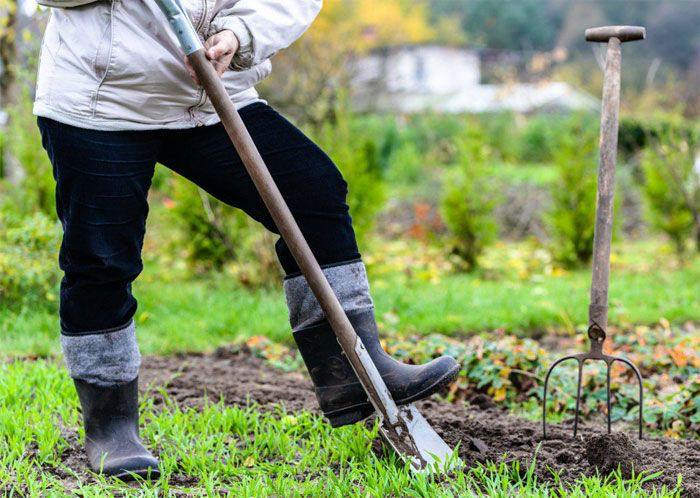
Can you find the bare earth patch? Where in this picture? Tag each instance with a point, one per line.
(484, 433)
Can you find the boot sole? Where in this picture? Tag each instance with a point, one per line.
(357, 413)
(133, 475)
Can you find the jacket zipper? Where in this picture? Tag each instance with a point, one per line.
(203, 20)
(201, 96)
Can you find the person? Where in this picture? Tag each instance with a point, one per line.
(114, 98)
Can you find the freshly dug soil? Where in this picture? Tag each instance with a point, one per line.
(484, 432)
(607, 452)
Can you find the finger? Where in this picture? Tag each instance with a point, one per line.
(220, 67)
(218, 50)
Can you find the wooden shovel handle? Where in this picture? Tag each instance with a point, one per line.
(290, 232)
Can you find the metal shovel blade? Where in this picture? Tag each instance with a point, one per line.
(417, 442)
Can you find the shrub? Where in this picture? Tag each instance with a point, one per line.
(357, 155)
(216, 237)
(29, 271)
(498, 131)
(536, 140)
(468, 200)
(636, 135)
(672, 188)
(36, 189)
(406, 166)
(572, 217)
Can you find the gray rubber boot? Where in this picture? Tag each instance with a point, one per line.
(111, 421)
(338, 390)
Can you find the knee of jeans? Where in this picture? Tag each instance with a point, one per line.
(103, 231)
(100, 262)
(333, 190)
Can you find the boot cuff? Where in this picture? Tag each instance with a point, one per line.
(103, 359)
(349, 282)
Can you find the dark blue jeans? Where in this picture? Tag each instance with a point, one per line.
(102, 182)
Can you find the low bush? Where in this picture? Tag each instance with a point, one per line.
(510, 370)
(571, 220)
(499, 132)
(216, 237)
(406, 166)
(357, 155)
(635, 134)
(29, 272)
(536, 141)
(468, 200)
(36, 187)
(672, 188)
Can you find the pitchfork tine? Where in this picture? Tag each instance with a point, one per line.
(607, 390)
(578, 393)
(638, 374)
(544, 395)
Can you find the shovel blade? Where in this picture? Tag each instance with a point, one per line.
(417, 442)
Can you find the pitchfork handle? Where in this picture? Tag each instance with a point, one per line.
(614, 36)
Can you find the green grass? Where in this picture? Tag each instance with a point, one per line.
(465, 303)
(178, 313)
(235, 451)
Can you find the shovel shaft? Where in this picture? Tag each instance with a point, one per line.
(289, 230)
(598, 310)
(404, 428)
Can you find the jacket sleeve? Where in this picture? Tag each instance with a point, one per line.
(264, 27)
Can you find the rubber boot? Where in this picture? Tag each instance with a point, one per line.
(338, 390)
(111, 420)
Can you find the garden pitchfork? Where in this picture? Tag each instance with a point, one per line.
(403, 427)
(598, 309)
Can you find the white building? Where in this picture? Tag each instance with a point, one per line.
(416, 78)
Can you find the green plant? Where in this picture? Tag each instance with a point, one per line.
(672, 188)
(537, 140)
(35, 189)
(468, 200)
(498, 131)
(572, 216)
(357, 155)
(406, 165)
(218, 237)
(636, 134)
(28, 252)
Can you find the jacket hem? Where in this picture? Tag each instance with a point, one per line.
(102, 124)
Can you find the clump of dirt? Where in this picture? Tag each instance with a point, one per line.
(483, 431)
(608, 452)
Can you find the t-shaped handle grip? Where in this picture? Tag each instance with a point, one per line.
(622, 33)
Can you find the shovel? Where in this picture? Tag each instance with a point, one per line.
(403, 427)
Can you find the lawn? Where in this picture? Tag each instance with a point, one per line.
(224, 448)
(219, 449)
(527, 295)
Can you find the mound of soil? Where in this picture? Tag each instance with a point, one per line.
(607, 452)
(483, 431)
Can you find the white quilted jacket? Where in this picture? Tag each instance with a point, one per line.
(115, 65)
